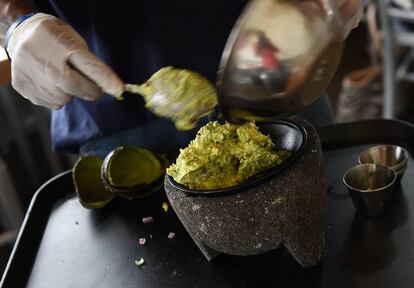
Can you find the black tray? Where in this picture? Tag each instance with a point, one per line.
(61, 244)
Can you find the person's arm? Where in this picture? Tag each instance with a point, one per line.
(10, 11)
(50, 62)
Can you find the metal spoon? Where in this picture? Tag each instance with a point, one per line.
(182, 95)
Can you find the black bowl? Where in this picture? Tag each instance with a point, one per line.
(286, 136)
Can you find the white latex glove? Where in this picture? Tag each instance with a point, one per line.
(51, 62)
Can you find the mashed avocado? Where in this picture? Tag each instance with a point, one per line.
(182, 95)
(225, 155)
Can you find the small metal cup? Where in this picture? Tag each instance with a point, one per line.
(371, 188)
(392, 156)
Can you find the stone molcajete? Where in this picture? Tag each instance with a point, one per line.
(284, 207)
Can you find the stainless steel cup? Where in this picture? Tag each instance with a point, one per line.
(392, 156)
(371, 188)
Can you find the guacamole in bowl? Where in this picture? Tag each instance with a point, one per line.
(226, 156)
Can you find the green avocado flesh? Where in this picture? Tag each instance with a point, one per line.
(132, 166)
(88, 182)
(225, 155)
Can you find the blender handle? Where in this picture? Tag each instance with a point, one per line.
(331, 10)
(327, 6)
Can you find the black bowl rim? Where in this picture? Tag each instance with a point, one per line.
(254, 181)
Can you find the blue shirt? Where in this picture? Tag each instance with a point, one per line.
(136, 38)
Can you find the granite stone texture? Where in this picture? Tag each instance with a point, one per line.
(286, 210)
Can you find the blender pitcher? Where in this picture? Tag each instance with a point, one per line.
(278, 59)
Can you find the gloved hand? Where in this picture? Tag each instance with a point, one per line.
(51, 62)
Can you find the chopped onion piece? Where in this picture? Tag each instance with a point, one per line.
(140, 262)
(147, 220)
